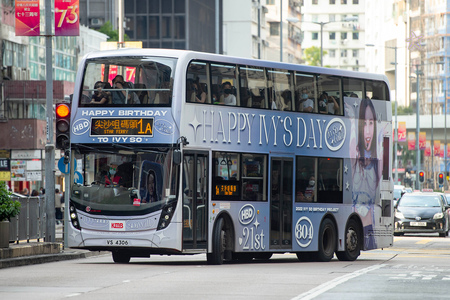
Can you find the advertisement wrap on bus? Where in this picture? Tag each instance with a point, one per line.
(232, 157)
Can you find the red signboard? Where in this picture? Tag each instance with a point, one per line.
(437, 148)
(27, 18)
(422, 139)
(427, 151)
(402, 131)
(67, 21)
(411, 140)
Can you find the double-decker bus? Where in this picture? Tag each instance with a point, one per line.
(181, 152)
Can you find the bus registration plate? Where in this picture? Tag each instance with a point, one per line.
(117, 243)
(418, 223)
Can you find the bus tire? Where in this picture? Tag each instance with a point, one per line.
(120, 257)
(219, 239)
(352, 242)
(327, 241)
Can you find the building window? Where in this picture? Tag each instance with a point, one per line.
(343, 53)
(343, 1)
(315, 2)
(343, 36)
(332, 1)
(270, 2)
(274, 28)
(355, 1)
(315, 36)
(356, 35)
(332, 18)
(332, 53)
(355, 52)
(332, 35)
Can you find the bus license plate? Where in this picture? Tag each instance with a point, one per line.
(418, 223)
(117, 243)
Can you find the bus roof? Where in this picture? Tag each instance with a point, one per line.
(190, 55)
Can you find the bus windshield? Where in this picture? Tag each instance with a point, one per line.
(130, 81)
(118, 182)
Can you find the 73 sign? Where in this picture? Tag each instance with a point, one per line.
(67, 21)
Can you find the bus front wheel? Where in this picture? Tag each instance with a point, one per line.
(219, 240)
(120, 257)
(352, 242)
(327, 240)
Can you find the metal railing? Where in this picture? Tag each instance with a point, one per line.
(30, 223)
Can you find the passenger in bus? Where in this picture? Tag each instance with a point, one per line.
(333, 106)
(286, 99)
(112, 177)
(310, 190)
(200, 95)
(118, 97)
(323, 103)
(100, 96)
(227, 98)
(307, 103)
(150, 191)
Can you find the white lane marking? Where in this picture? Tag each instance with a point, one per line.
(333, 283)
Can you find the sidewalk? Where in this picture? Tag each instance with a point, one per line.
(40, 252)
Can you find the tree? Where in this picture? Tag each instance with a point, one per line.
(113, 35)
(9, 208)
(312, 55)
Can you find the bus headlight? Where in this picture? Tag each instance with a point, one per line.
(166, 214)
(73, 216)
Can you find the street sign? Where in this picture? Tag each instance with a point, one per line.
(62, 166)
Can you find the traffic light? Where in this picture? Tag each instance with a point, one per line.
(421, 177)
(441, 178)
(62, 126)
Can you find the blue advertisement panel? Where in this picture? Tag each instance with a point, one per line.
(124, 125)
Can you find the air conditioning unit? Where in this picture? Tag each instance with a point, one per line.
(96, 22)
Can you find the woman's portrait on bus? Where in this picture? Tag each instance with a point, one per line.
(366, 161)
(150, 191)
(150, 182)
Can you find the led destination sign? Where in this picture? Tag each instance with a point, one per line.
(122, 126)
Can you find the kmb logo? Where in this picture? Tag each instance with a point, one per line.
(117, 226)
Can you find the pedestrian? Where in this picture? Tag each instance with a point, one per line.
(58, 205)
(25, 192)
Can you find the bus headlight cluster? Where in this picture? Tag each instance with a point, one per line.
(166, 215)
(73, 216)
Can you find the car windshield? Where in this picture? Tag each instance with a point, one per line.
(397, 193)
(419, 201)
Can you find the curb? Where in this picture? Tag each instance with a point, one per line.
(46, 258)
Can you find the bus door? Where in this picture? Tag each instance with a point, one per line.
(195, 196)
(281, 198)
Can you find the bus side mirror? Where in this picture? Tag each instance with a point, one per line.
(177, 157)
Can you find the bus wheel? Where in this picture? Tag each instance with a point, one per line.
(352, 243)
(327, 240)
(218, 244)
(120, 257)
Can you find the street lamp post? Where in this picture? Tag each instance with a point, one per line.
(418, 73)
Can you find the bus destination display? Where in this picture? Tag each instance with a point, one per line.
(229, 189)
(122, 126)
